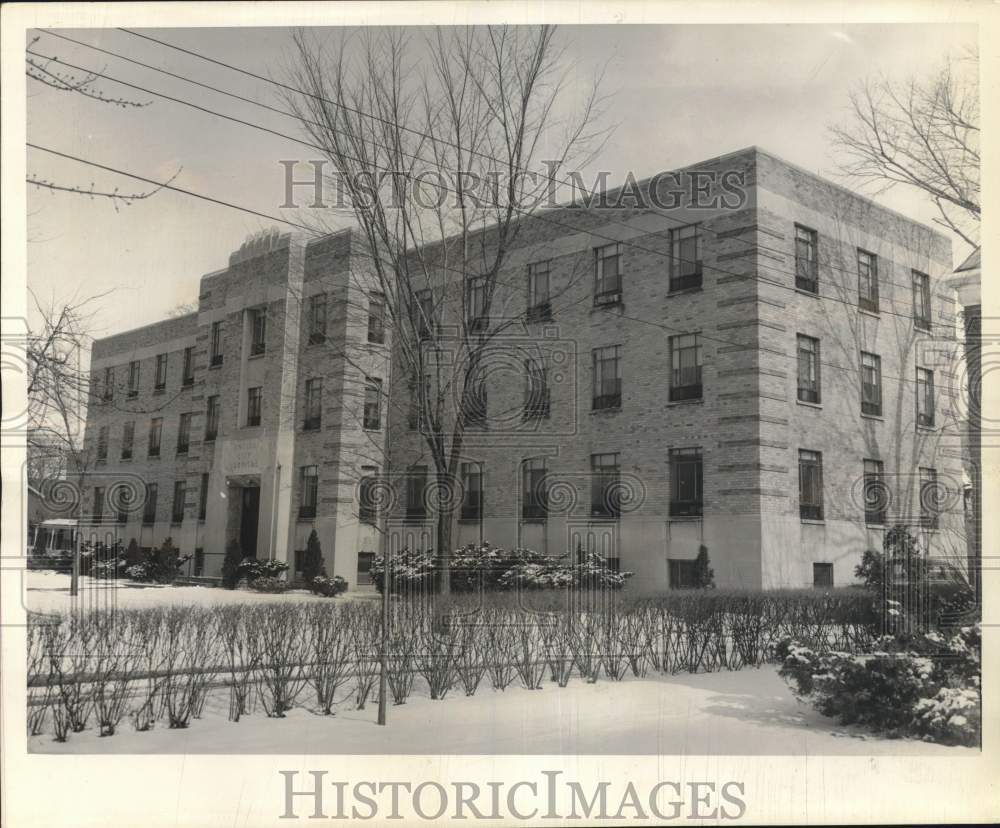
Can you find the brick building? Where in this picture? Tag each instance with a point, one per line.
(757, 361)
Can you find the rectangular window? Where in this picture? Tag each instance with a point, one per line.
(607, 377)
(254, 399)
(373, 404)
(309, 477)
(368, 495)
(686, 482)
(160, 380)
(806, 260)
(808, 369)
(685, 257)
(199, 561)
(685, 360)
(608, 274)
(929, 498)
(539, 304)
(317, 319)
(472, 491)
(109, 384)
(475, 304)
(184, 434)
(133, 378)
(536, 389)
(98, 504)
(212, 418)
(187, 379)
(416, 485)
(376, 318)
(258, 330)
(216, 346)
(102, 443)
(155, 431)
(875, 492)
(604, 485)
(867, 281)
(925, 397)
(203, 497)
(921, 300)
(149, 507)
(871, 384)
(128, 439)
(426, 319)
(810, 485)
(313, 404)
(535, 495)
(683, 573)
(180, 495)
(822, 575)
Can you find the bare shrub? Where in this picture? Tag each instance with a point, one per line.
(282, 651)
(239, 655)
(329, 646)
(366, 626)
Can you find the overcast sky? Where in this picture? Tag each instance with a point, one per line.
(679, 94)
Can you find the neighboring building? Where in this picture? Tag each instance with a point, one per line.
(735, 374)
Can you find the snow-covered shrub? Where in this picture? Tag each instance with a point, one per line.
(267, 583)
(952, 717)
(161, 566)
(328, 586)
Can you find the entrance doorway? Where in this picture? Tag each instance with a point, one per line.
(249, 518)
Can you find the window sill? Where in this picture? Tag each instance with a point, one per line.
(871, 313)
(808, 293)
(809, 404)
(132, 395)
(609, 410)
(924, 329)
(257, 356)
(159, 390)
(694, 401)
(876, 526)
(679, 291)
(373, 430)
(126, 459)
(878, 417)
(537, 521)
(925, 429)
(812, 522)
(602, 306)
(187, 385)
(685, 518)
(214, 366)
(152, 456)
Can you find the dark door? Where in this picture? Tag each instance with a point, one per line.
(364, 568)
(249, 516)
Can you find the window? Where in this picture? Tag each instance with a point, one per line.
(810, 485)
(133, 378)
(608, 274)
(254, 398)
(418, 391)
(930, 496)
(309, 476)
(187, 379)
(376, 318)
(871, 384)
(124, 501)
(475, 304)
(313, 404)
(806, 260)
(604, 485)
(180, 493)
(416, 485)
(258, 330)
(160, 380)
(921, 300)
(472, 491)
(475, 403)
(128, 439)
(536, 390)
(216, 346)
(925, 397)
(212, 418)
(808, 369)
(607, 378)
(685, 360)
(155, 431)
(686, 482)
(109, 385)
(373, 404)
(822, 575)
(316, 317)
(102, 443)
(184, 433)
(685, 257)
(867, 281)
(683, 573)
(535, 496)
(98, 504)
(199, 561)
(149, 507)
(539, 304)
(426, 321)
(876, 493)
(203, 497)
(368, 495)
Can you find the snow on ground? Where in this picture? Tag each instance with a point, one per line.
(45, 591)
(749, 712)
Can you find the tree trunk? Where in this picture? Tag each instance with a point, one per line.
(445, 522)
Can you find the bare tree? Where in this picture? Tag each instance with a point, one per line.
(434, 164)
(923, 134)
